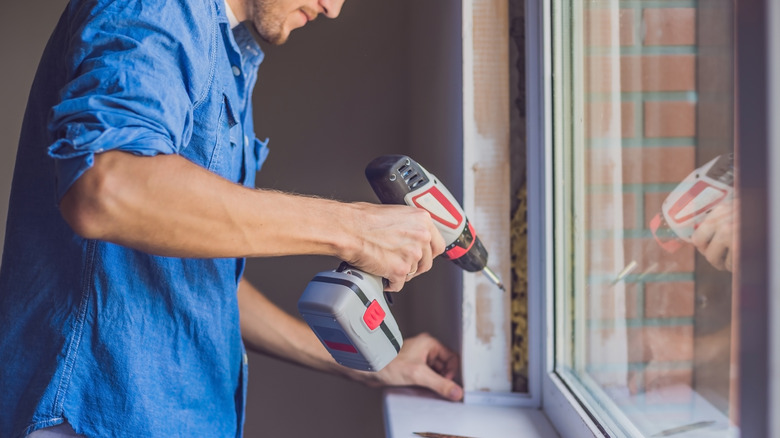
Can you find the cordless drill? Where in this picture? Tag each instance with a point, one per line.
(346, 307)
(397, 179)
(691, 201)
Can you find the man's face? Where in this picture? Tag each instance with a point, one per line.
(275, 19)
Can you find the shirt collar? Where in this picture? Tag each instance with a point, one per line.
(239, 37)
(248, 46)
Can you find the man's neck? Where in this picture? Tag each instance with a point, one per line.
(231, 15)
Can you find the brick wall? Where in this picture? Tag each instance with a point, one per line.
(639, 96)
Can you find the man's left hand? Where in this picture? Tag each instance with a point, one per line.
(423, 361)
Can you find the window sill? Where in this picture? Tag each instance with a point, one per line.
(409, 410)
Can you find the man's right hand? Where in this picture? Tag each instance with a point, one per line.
(397, 242)
(714, 238)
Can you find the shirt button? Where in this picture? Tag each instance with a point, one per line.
(246, 141)
(236, 71)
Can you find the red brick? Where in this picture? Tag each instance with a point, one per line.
(642, 165)
(645, 344)
(598, 27)
(653, 202)
(600, 118)
(603, 213)
(609, 345)
(603, 165)
(658, 73)
(603, 302)
(651, 258)
(669, 299)
(599, 75)
(662, 165)
(670, 119)
(641, 73)
(669, 26)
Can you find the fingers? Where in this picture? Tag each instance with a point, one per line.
(444, 361)
(397, 242)
(714, 237)
(434, 248)
(425, 362)
(407, 267)
(703, 235)
(437, 241)
(423, 265)
(728, 263)
(439, 368)
(417, 257)
(718, 250)
(433, 245)
(439, 384)
(394, 285)
(443, 365)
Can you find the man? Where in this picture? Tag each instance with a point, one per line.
(131, 212)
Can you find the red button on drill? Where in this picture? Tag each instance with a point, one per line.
(374, 315)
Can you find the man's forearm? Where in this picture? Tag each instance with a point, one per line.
(269, 330)
(169, 206)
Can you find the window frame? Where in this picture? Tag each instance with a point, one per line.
(758, 63)
(560, 405)
(758, 102)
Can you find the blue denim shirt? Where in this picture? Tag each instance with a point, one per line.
(117, 341)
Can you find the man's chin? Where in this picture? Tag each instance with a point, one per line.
(275, 38)
(280, 40)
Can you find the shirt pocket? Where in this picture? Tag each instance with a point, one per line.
(255, 158)
(227, 154)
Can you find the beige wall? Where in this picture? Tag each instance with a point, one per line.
(24, 29)
(383, 78)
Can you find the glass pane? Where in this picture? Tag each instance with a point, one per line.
(645, 171)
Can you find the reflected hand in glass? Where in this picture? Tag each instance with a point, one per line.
(715, 237)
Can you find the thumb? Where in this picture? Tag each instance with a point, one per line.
(440, 385)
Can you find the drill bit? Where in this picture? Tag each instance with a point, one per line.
(627, 270)
(493, 277)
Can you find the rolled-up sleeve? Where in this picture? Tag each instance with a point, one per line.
(132, 88)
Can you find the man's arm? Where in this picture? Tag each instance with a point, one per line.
(266, 329)
(166, 205)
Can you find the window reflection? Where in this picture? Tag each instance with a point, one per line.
(649, 158)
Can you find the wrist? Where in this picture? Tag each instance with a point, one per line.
(368, 378)
(345, 241)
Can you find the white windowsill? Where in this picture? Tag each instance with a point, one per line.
(409, 410)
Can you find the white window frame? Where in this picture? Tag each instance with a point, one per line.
(759, 330)
(558, 402)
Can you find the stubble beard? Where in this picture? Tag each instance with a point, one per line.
(269, 24)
